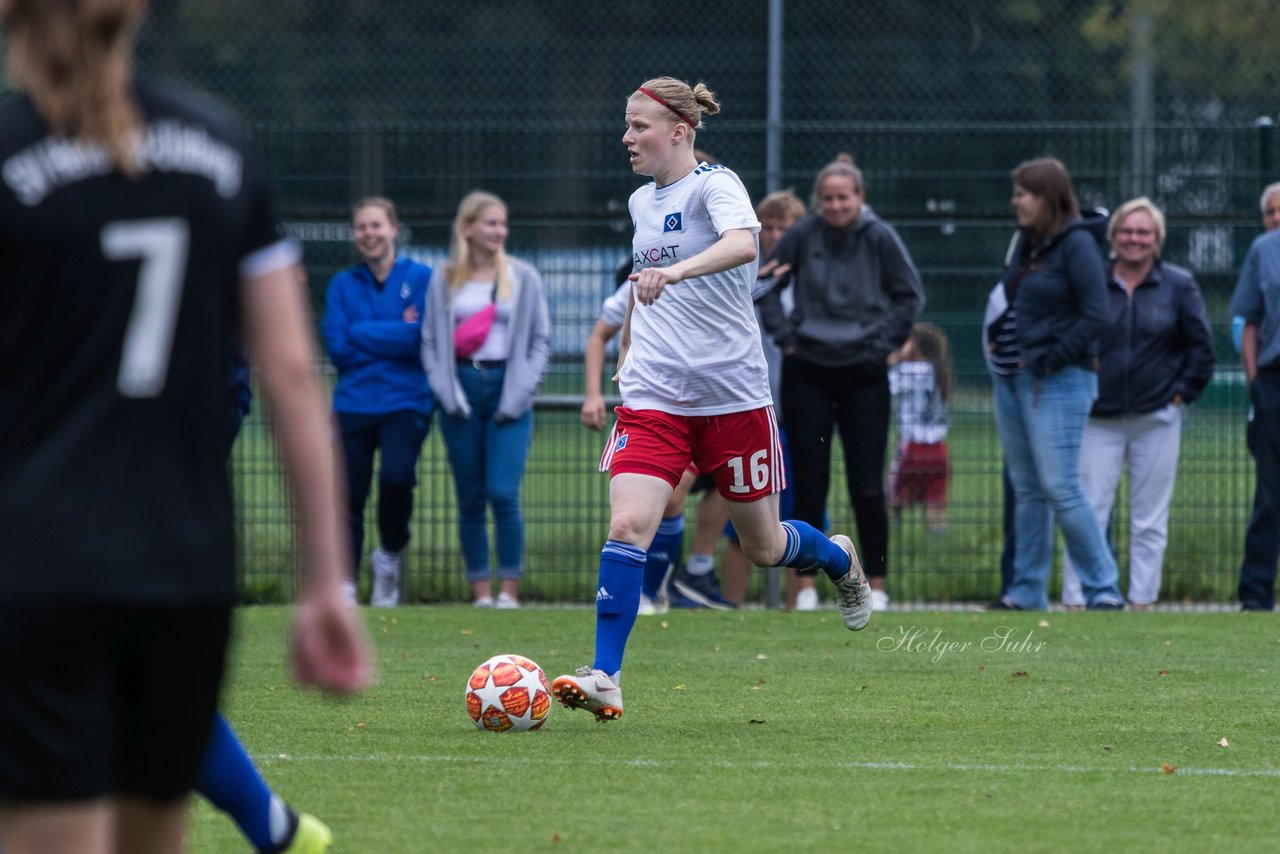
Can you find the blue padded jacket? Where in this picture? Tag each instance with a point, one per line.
(372, 345)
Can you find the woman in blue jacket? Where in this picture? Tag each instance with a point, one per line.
(373, 312)
(1042, 339)
(485, 345)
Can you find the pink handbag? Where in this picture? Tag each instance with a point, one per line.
(472, 332)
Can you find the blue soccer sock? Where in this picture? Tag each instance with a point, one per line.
(231, 782)
(617, 601)
(808, 548)
(663, 552)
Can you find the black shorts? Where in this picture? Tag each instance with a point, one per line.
(702, 483)
(108, 700)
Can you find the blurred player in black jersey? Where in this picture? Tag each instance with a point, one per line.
(135, 237)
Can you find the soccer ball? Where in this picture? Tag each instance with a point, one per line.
(508, 693)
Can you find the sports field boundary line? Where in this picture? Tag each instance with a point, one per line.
(748, 765)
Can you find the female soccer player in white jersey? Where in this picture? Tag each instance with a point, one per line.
(694, 383)
(135, 231)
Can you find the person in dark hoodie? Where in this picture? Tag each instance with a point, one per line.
(1041, 331)
(1155, 357)
(857, 293)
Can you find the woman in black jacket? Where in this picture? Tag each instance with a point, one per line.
(1155, 356)
(1042, 333)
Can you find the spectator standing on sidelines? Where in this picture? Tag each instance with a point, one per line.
(120, 286)
(485, 345)
(694, 384)
(1269, 203)
(1041, 330)
(857, 293)
(1255, 295)
(372, 322)
(1155, 356)
(777, 212)
(920, 378)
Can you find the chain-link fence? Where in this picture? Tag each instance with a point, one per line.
(936, 99)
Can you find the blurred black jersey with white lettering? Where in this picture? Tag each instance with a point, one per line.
(118, 298)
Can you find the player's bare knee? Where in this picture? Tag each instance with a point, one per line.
(627, 528)
(764, 553)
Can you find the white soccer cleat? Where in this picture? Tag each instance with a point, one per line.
(386, 579)
(591, 690)
(853, 593)
(506, 602)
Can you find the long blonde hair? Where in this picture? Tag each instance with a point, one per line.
(74, 58)
(461, 266)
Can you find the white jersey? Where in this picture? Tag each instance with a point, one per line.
(613, 311)
(696, 350)
(922, 414)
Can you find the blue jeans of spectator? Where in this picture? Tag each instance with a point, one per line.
(1262, 537)
(1040, 422)
(488, 458)
(399, 435)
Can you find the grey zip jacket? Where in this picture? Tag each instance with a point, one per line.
(528, 345)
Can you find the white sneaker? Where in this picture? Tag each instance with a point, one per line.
(652, 607)
(853, 593)
(484, 602)
(879, 600)
(386, 579)
(506, 602)
(807, 599)
(591, 690)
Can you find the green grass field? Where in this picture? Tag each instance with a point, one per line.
(764, 731)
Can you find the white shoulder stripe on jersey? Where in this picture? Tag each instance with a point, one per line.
(270, 258)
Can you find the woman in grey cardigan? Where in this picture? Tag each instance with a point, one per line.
(486, 337)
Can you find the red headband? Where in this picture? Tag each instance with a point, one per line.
(664, 102)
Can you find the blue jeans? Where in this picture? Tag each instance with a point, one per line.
(488, 457)
(1040, 422)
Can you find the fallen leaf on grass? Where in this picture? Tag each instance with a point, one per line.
(1044, 624)
(1018, 673)
(1168, 768)
(1222, 742)
(1162, 673)
(982, 668)
(761, 682)
(760, 656)
(466, 633)
(755, 721)
(680, 687)
(1107, 748)
(433, 678)
(665, 624)
(555, 837)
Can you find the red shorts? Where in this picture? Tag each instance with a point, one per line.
(920, 475)
(739, 449)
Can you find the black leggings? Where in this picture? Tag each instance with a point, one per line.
(855, 399)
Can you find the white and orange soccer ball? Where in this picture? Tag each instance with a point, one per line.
(508, 693)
